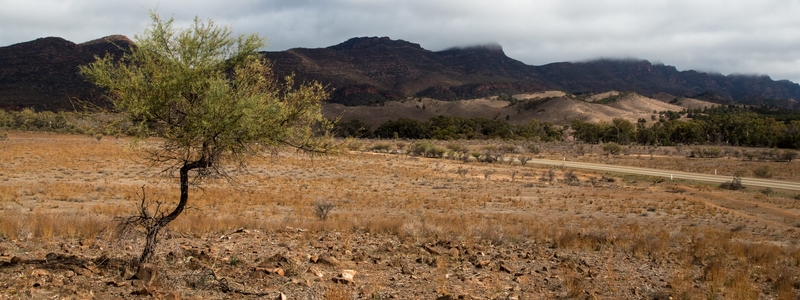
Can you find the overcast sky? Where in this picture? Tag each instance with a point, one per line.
(725, 36)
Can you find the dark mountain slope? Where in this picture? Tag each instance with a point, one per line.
(44, 73)
(369, 70)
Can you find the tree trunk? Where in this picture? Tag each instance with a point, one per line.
(152, 231)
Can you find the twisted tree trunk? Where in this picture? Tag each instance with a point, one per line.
(152, 231)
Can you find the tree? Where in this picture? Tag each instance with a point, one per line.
(211, 99)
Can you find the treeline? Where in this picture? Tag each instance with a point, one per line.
(64, 122)
(733, 125)
(453, 128)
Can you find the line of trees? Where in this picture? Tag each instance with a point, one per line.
(64, 122)
(734, 126)
(453, 128)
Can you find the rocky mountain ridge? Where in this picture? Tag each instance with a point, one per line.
(370, 70)
(383, 69)
(43, 73)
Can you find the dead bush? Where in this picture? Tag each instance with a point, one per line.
(734, 185)
(762, 172)
(322, 208)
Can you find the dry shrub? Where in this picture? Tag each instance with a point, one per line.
(322, 208)
(574, 284)
(740, 287)
(48, 226)
(762, 172)
(784, 281)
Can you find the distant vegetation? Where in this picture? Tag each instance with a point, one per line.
(768, 127)
(724, 125)
(452, 128)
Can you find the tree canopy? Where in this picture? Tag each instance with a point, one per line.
(210, 97)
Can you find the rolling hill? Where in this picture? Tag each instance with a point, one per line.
(375, 71)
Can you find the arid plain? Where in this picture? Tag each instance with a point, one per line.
(410, 227)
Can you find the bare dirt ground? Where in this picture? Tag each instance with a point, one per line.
(409, 227)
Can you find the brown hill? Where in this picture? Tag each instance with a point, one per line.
(44, 73)
(550, 106)
(367, 71)
(372, 70)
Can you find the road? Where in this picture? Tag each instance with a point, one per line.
(747, 182)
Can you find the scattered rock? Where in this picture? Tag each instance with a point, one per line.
(431, 250)
(147, 273)
(173, 296)
(407, 270)
(141, 292)
(51, 256)
(328, 260)
(506, 268)
(316, 271)
(118, 284)
(346, 277)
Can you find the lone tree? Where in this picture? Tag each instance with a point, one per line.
(212, 101)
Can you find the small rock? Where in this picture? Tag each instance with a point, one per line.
(328, 260)
(407, 270)
(118, 284)
(282, 296)
(173, 296)
(523, 279)
(482, 263)
(40, 273)
(445, 297)
(316, 271)
(51, 256)
(345, 277)
(15, 260)
(506, 268)
(141, 292)
(147, 273)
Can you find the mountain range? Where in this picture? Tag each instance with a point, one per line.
(372, 70)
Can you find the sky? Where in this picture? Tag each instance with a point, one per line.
(756, 37)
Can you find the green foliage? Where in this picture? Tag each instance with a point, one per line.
(613, 98)
(353, 128)
(426, 149)
(452, 128)
(737, 126)
(211, 99)
(706, 152)
(208, 94)
(612, 148)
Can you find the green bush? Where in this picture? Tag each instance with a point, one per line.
(612, 148)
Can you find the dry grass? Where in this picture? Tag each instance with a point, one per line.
(734, 245)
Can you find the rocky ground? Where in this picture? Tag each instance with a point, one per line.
(305, 265)
(402, 228)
